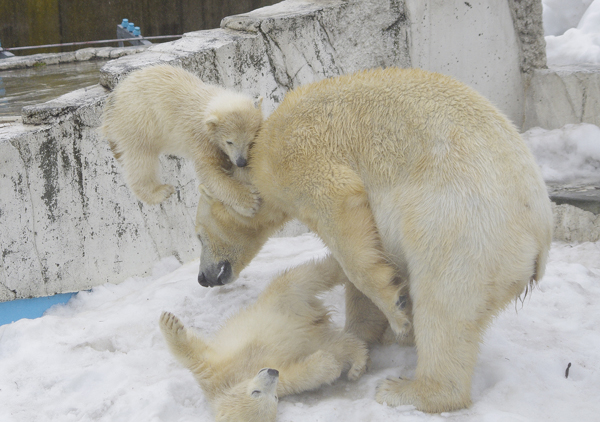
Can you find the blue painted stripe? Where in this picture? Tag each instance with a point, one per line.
(15, 310)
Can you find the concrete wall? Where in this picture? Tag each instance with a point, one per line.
(68, 220)
(473, 41)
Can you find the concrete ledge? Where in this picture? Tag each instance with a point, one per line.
(572, 224)
(252, 21)
(559, 96)
(62, 106)
(585, 197)
(91, 53)
(576, 212)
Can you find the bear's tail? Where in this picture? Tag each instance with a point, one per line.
(539, 269)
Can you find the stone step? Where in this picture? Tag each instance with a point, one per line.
(576, 209)
(585, 197)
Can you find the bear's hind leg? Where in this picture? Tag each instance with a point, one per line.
(447, 337)
(141, 175)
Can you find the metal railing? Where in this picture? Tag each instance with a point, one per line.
(126, 32)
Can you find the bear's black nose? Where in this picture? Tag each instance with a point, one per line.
(273, 372)
(215, 275)
(241, 162)
(202, 280)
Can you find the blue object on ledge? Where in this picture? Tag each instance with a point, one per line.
(17, 309)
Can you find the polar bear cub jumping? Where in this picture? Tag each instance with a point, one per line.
(167, 110)
(283, 344)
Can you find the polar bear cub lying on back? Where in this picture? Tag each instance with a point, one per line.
(283, 344)
(167, 110)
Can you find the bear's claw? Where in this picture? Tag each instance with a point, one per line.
(170, 324)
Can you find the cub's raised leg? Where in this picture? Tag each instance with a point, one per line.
(185, 345)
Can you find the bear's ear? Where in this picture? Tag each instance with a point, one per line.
(258, 102)
(212, 122)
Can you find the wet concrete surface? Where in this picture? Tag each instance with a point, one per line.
(585, 197)
(21, 87)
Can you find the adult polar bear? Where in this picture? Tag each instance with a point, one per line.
(407, 176)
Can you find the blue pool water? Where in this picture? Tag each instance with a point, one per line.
(15, 310)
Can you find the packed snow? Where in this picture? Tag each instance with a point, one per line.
(572, 29)
(101, 357)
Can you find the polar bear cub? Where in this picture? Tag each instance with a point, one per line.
(167, 110)
(283, 344)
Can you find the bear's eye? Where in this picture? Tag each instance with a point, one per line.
(255, 393)
(229, 143)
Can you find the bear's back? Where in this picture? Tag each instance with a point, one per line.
(392, 125)
(427, 149)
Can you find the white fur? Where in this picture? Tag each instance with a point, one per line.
(413, 180)
(167, 110)
(288, 329)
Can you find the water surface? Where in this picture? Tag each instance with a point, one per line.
(21, 87)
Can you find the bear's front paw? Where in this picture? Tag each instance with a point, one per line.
(251, 205)
(400, 323)
(171, 325)
(358, 368)
(393, 392)
(157, 195)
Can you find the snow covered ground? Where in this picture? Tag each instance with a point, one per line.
(101, 357)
